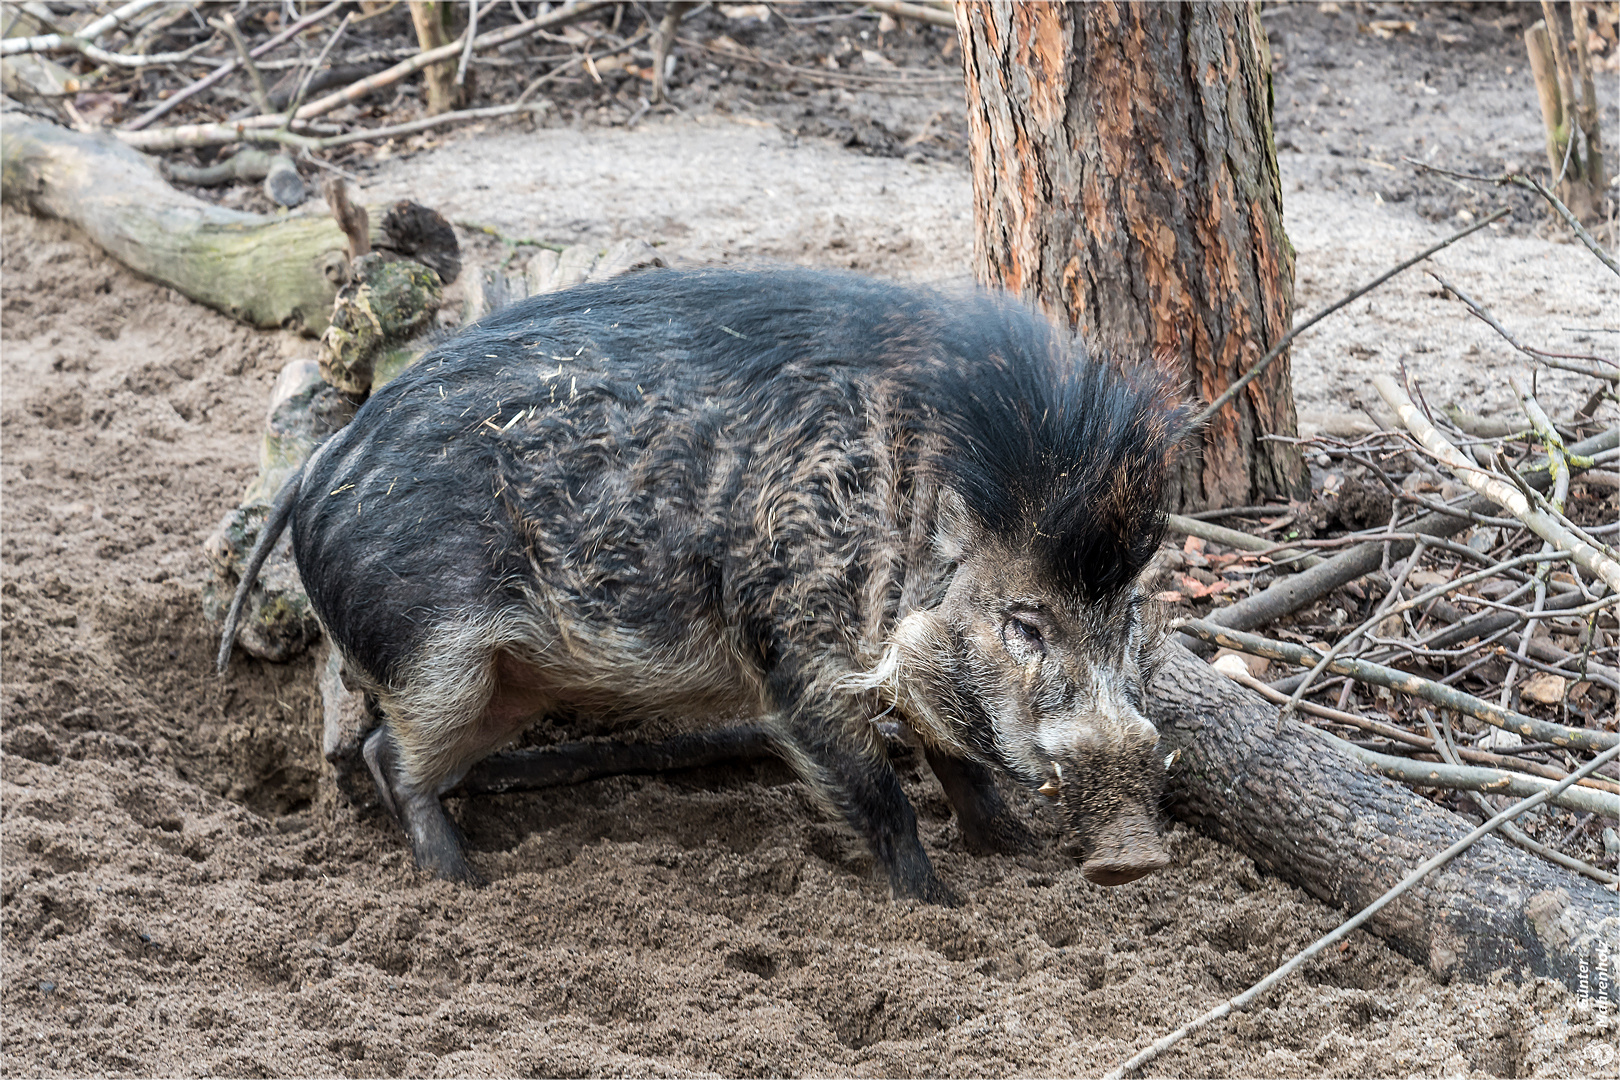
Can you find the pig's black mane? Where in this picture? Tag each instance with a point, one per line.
(1054, 452)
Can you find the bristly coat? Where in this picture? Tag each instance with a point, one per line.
(698, 494)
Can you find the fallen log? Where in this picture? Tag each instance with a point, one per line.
(266, 271)
(1287, 798)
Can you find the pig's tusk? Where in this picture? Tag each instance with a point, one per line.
(1049, 789)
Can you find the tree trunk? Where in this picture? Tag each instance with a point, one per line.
(429, 17)
(1125, 178)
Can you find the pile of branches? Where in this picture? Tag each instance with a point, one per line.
(1462, 632)
(164, 76)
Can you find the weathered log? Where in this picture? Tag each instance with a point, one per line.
(1285, 797)
(375, 320)
(266, 271)
(278, 623)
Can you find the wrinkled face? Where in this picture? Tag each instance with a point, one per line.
(1049, 686)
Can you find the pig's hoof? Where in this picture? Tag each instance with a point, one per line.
(929, 890)
(451, 866)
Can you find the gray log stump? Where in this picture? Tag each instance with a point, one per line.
(1301, 810)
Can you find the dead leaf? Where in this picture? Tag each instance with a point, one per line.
(874, 59)
(1388, 28)
(1168, 596)
(1545, 689)
(1197, 589)
(1255, 666)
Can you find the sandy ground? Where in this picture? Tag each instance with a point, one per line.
(183, 894)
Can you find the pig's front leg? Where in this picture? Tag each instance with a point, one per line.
(988, 824)
(832, 745)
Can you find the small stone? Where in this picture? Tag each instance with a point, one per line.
(47, 987)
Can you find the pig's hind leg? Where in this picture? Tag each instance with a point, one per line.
(436, 843)
(467, 698)
(838, 752)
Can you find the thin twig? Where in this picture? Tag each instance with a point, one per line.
(1406, 605)
(1536, 186)
(227, 24)
(1496, 487)
(1443, 746)
(198, 135)
(1536, 354)
(88, 34)
(1406, 683)
(1473, 778)
(163, 107)
(1276, 350)
(471, 35)
(59, 43)
(1401, 735)
(309, 76)
(1244, 999)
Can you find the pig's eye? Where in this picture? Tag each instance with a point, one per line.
(1023, 636)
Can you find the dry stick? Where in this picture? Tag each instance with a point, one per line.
(87, 35)
(1445, 748)
(1401, 735)
(1243, 1000)
(1407, 683)
(574, 61)
(58, 43)
(915, 12)
(471, 36)
(209, 134)
(413, 126)
(309, 76)
(1472, 778)
(1558, 466)
(214, 134)
(1277, 350)
(355, 92)
(1243, 541)
(227, 24)
(1406, 605)
(216, 76)
(1296, 590)
(1496, 488)
(1542, 355)
(1530, 185)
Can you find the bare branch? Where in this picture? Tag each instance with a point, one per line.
(1406, 683)
(1495, 488)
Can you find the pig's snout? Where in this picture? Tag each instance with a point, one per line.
(1125, 849)
(1109, 793)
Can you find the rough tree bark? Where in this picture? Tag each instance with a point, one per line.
(1124, 178)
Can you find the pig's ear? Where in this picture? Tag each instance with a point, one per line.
(953, 526)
